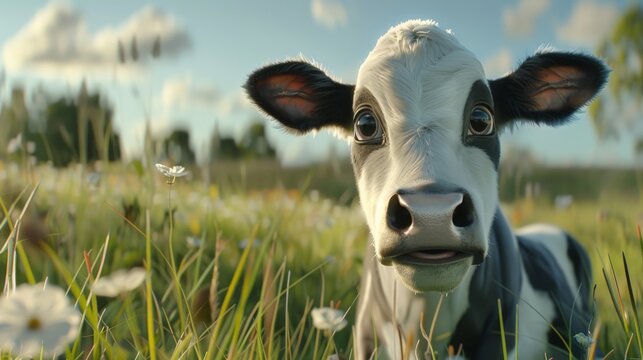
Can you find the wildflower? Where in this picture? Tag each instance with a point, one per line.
(119, 282)
(172, 172)
(328, 319)
(14, 144)
(94, 179)
(584, 340)
(36, 319)
(193, 241)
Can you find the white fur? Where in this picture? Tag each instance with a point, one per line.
(421, 77)
(535, 313)
(555, 240)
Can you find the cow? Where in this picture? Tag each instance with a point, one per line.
(424, 122)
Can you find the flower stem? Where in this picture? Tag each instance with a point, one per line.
(173, 269)
(151, 340)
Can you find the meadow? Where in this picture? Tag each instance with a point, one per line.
(237, 256)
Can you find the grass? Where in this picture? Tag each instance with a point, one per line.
(234, 273)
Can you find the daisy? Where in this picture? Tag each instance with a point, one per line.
(328, 319)
(37, 320)
(172, 172)
(119, 282)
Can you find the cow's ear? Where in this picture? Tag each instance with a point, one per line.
(547, 88)
(302, 97)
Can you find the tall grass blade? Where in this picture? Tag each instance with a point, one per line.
(214, 282)
(149, 303)
(516, 334)
(619, 296)
(14, 237)
(226, 302)
(502, 331)
(637, 327)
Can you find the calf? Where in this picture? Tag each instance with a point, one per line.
(423, 122)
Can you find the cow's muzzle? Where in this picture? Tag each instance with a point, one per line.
(431, 225)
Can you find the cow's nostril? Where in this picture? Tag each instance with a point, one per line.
(463, 213)
(398, 217)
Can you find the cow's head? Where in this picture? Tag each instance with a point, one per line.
(424, 122)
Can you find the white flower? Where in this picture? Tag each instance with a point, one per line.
(119, 282)
(14, 144)
(172, 172)
(328, 319)
(34, 319)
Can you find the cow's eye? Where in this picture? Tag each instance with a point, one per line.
(480, 121)
(367, 129)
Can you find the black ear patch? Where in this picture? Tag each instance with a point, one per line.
(548, 88)
(301, 96)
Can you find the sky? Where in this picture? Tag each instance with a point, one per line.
(208, 48)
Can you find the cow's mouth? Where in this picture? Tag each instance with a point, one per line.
(432, 257)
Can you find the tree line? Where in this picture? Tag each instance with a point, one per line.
(79, 129)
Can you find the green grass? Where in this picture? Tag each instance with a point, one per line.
(223, 297)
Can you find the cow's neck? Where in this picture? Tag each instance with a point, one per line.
(469, 309)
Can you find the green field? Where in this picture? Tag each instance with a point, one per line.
(245, 253)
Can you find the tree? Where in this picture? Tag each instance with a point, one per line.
(14, 118)
(255, 144)
(62, 132)
(65, 130)
(177, 147)
(618, 110)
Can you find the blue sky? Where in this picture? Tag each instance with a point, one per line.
(209, 47)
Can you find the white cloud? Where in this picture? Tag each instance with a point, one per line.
(56, 42)
(183, 93)
(588, 24)
(500, 64)
(329, 13)
(520, 21)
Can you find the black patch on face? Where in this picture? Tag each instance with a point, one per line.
(490, 144)
(544, 274)
(364, 99)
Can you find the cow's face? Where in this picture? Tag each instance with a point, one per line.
(425, 154)
(423, 122)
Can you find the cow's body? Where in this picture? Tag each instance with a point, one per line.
(424, 122)
(517, 268)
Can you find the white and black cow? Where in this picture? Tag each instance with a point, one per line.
(424, 123)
